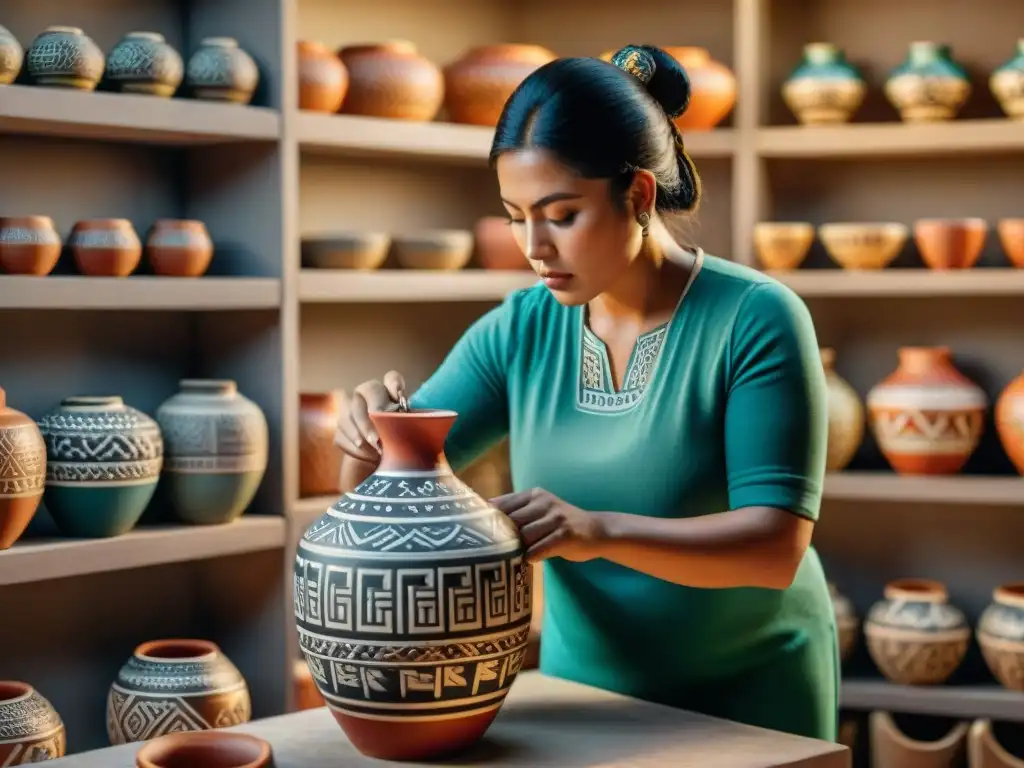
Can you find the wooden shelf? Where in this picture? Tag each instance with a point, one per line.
(38, 560)
(961, 702)
(951, 489)
(142, 292)
(349, 286)
(892, 139)
(840, 283)
(129, 118)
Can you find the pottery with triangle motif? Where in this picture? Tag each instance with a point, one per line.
(22, 472)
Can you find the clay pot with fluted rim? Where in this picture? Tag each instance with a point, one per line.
(105, 247)
(31, 731)
(1011, 238)
(220, 70)
(847, 622)
(479, 82)
(1009, 418)
(1001, 635)
(12, 55)
(179, 248)
(496, 247)
(65, 57)
(927, 417)
(144, 63)
(845, 416)
(391, 80)
(319, 457)
(29, 245)
(782, 245)
(914, 635)
(950, 243)
(323, 79)
(22, 472)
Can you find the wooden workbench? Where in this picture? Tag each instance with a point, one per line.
(547, 722)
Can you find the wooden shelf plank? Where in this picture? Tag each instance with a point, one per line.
(131, 118)
(347, 286)
(140, 292)
(951, 489)
(840, 283)
(321, 134)
(38, 560)
(891, 139)
(955, 701)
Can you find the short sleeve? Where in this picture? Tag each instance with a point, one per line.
(776, 419)
(473, 381)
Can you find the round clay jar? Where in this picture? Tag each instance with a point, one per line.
(29, 245)
(179, 248)
(323, 79)
(220, 70)
(31, 731)
(105, 247)
(144, 63)
(65, 57)
(391, 80)
(478, 84)
(12, 55)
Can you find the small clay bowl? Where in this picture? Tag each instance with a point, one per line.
(1011, 237)
(29, 245)
(950, 243)
(447, 249)
(496, 247)
(863, 245)
(782, 244)
(345, 250)
(179, 248)
(205, 749)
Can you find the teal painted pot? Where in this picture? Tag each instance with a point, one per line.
(216, 441)
(1007, 84)
(103, 463)
(824, 89)
(929, 86)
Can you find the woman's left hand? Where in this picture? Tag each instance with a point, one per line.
(551, 527)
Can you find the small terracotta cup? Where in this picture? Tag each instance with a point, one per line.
(205, 749)
(179, 248)
(950, 243)
(29, 245)
(105, 247)
(1011, 237)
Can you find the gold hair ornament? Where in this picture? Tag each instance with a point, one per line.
(637, 62)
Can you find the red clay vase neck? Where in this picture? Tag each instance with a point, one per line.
(918, 360)
(412, 441)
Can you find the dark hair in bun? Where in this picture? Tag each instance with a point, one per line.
(606, 121)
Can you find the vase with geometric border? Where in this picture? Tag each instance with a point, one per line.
(824, 89)
(929, 85)
(31, 731)
(22, 472)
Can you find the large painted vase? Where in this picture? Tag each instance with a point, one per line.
(929, 85)
(103, 463)
(412, 600)
(216, 443)
(824, 88)
(31, 731)
(22, 472)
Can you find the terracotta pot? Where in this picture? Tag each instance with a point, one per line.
(31, 731)
(220, 70)
(1011, 237)
(1009, 418)
(319, 457)
(105, 247)
(985, 751)
(863, 245)
(397, 593)
(217, 444)
(892, 748)
(847, 622)
(927, 416)
(103, 461)
(824, 89)
(65, 57)
(323, 79)
(29, 245)
(391, 80)
(713, 89)
(179, 248)
(1001, 635)
(929, 86)
(175, 685)
(1007, 84)
(11, 56)
(496, 247)
(209, 749)
(845, 416)
(914, 635)
(950, 243)
(22, 472)
(143, 63)
(782, 244)
(478, 84)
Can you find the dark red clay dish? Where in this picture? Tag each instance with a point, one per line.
(205, 749)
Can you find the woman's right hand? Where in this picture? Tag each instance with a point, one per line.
(356, 436)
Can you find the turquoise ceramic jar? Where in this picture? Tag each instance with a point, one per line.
(1007, 84)
(929, 85)
(103, 463)
(216, 441)
(824, 88)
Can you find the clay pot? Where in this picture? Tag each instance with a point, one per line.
(29, 245)
(220, 70)
(985, 751)
(1001, 635)
(319, 457)
(914, 635)
(11, 56)
(323, 79)
(496, 247)
(927, 416)
(477, 85)
(179, 248)
(1009, 418)
(847, 622)
(209, 749)
(824, 89)
(892, 748)
(1007, 84)
(22, 472)
(217, 444)
(447, 249)
(1011, 237)
(175, 685)
(143, 63)
(105, 247)
(929, 86)
(845, 416)
(31, 731)
(103, 460)
(782, 245)
(713, 89)
(391, 80)
(863, 245)
(346, 250)
(950, 243)
(65, 57)
(414, 560)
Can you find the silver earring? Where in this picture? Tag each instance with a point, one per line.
(644, 220)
